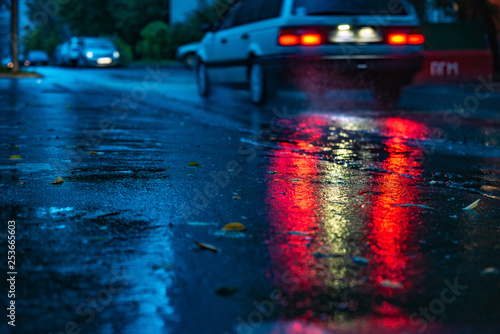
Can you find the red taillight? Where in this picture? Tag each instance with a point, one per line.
(398, 39)
(416, 39)
(404, 39)
(300, 36)
(289, 40)
(310, 39)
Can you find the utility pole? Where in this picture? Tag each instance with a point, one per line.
(14, 34)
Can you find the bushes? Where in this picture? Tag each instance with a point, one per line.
(153, 44)
(161, 41)
(126, 53)
(42, 39)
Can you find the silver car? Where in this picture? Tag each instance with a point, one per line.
(313, 45)
(98, 52)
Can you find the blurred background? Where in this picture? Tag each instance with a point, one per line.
(460, 34)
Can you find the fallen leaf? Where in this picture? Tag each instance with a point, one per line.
(226, 291)
(193, 164)
(362, 261)
(59, 180)
(490, 271)
(15, 157)
(236, 197)
(234, 227)
(473, 205)
(206, 247)
(391, 284)
(93, 153)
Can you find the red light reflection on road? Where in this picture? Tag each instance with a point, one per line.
(295, 213)
(293, 207)
(391, 230)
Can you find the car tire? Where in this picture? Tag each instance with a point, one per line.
(202, 80)
(258, 84)
(189, 61)
(387, 95)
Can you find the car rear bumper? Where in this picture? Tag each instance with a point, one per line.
(362, 68)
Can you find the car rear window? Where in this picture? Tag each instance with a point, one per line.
(351, 7)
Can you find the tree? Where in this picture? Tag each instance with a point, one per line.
(44, 36)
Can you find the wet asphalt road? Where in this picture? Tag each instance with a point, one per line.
(354, 215)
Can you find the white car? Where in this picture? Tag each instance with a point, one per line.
(187, 54)
(314, 45)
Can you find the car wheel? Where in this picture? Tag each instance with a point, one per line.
(202, 80)
(257, 83)
(387, 95)
(190, 61)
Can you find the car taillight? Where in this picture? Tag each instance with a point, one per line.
(416, 39)
(289, 40)
(404, 36)
(310, 39)
(298, 36)
(398, 39)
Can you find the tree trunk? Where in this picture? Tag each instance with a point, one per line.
(14, 35)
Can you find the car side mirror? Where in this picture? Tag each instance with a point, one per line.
(206, 27)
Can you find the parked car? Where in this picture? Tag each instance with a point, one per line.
(98, 52)
(7, 61)
(57, 59)
(187, 54)
(37, 57)
(314, 45)
(71, 51)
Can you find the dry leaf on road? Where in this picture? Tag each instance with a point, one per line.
(59, 180)
(207, 247)
(473, 205)
(234, 227)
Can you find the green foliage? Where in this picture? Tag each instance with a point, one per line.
(188, 32)
(131, 16)
(126, 53)
(42, 39)
(153, 44)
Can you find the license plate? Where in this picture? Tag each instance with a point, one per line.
(346, 34)
(104, 61)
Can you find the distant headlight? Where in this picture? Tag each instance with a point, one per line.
(90, 54)
(116, 54)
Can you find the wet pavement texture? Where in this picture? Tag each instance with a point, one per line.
(354, 216)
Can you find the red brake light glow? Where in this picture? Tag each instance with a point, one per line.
(310, 39)
(416, 39)
(289, 40)
(398, 39)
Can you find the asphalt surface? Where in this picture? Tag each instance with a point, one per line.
(354, 216)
